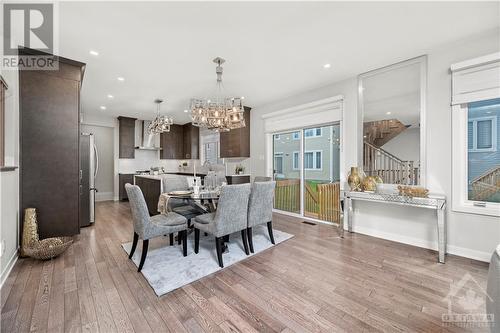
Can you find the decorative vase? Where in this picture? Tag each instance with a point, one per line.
(354, 179)
(30, 230)
(369, 184)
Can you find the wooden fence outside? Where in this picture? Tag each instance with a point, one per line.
(323, 204)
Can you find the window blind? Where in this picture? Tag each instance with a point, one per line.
(476, 80)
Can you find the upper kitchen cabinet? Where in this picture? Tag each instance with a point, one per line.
(236, 143)
(126, 137)
(172, 143)
(191, 141)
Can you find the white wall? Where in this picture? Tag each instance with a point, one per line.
(104, 141)
(9, 181)
(406, 145)
(473, 236)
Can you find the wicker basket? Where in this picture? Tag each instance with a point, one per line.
(49, 248)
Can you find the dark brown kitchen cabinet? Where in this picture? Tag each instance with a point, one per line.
(172, 143)
(191, 141)
(49, 119)
(124, 178)
(126, 137)
(236, 143)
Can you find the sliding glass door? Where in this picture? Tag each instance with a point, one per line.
(307, 172)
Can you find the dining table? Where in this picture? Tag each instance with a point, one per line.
(199, 203)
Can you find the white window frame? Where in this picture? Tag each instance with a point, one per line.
(315, 132)
(472, 82)
(280, 155)
(296, 153)
(474, 122)
(314, 160)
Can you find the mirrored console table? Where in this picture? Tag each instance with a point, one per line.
(436, 202)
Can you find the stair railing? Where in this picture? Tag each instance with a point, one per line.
(392, 170)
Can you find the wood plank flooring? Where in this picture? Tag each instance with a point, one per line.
(314, 282)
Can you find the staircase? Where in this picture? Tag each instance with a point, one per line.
(379, 132)
(486, 184)
(392, 170)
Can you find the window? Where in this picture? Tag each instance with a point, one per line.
(278, 163)
(312, 132)
(312, 160)
(296, 160)
(296, 135)
(277, 137)
(475, 136)
(481, 131)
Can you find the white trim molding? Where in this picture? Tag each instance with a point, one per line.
(8, 268)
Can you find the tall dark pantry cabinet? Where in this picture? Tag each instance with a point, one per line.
(49, 124)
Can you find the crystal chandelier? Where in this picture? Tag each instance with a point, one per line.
(220, 114)
(161, 123)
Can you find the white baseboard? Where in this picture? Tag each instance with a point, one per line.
(9, 267)
(451, 249)
(104, 196)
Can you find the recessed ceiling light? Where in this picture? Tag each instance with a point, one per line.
(94, 53)
(102, 107)
(110, 96)
(242, 97)
(327, 66)
(388, 112)
(186, 111)
(119, 78)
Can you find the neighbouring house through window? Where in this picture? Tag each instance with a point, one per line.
(483, 158)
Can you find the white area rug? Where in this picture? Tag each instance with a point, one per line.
(166, 269)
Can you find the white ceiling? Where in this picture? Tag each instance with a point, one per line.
(273, 50)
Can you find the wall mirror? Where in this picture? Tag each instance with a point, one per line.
(392, 108)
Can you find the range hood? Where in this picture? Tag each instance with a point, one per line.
(143, 139)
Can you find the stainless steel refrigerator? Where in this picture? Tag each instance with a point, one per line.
(89, 166)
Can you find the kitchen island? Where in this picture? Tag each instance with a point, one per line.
(154, 185)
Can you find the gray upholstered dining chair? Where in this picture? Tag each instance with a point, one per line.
(260, 209)
(146, 227)
(262, 179)
(230, 216)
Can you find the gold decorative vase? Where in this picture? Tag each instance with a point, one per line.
(30, 231)
(354, 179)
(32, 246)
(369, 184)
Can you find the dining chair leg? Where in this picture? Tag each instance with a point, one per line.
(179, 237)
(145, 244)
(244, 239)
(250, 239)
(218, 245)
(270, 230)
(184, 243)
(196, 240)
(171, 239)
(134, 245)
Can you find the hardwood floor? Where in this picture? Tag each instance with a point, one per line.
(314, 282)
